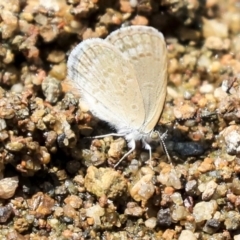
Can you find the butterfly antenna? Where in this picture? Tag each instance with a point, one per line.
(162, 141)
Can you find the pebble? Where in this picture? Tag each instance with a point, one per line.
(143, 189)
(164, 217)
(5, 213)
(133, 209)
(69, 212)
(212, 27)
(17, 88)
(187, 149)
(233, 19)
(151, 222)
(209, 190)
(184, 110)
(206, 88)
(170, 177)
(126, 6)
(140, 20)
(236, 237)
(179, 213)
(211, 226)
(204, 210)
(177, 198)
(231, 137)
(58, 71)
(21, 225)
(41, 204)
(232, 220)
(8, 187)
(235, 187)
(74, 201)
(52, 89)
(56, 56)
(187, 234)
(217, 44)
(95, 212)
(116, 148)
(206, 165)
(9, 23)
(191, 187)
(105, 181)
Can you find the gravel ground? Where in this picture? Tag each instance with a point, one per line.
(58, 184)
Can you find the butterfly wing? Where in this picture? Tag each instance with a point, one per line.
(107, 82)
(146, 49)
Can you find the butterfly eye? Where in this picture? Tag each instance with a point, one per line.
(155, 135)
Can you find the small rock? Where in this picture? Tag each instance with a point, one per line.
(187, 234)
(151, 222)
(140, 20)
(15, 146)
(69, 212)
(5, 213)
(170, 177)
(235, 186)
(56, 56)
(204, 210)
(126, 6)
(191, 187)
(164, 217)
(206, 165)
(21, 224)
(74, 201)
(116, 148)
(236, 237)
(8, 187)
(211, 226)
(58, 71)
(133, 209)
(41, 204)
(48, 32)
(179, 213)
(184, 110)
(169, 234)
(212, 27)
(14, 235)
(143, 189)
(105, 181)
(232, 221)
(9, 23)
(95, 212)
(209, 190)
(231, 136)
(216, 43)
(206, 88)
(177, 198)
(188, 149)
(52, 89)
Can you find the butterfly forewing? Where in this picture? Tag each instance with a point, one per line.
(108, 83)
(146, 49)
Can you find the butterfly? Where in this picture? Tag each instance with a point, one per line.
(123, 79)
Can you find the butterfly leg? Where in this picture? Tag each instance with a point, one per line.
(108, 135)
(149, 148)
(133, 144)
